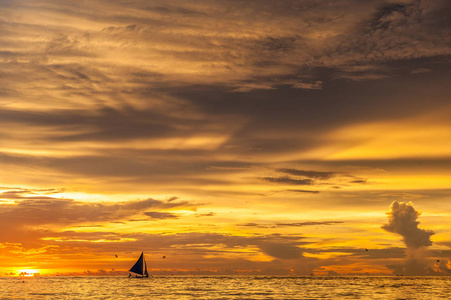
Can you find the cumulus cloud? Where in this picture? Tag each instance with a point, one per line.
(403, 221)
(402, 218)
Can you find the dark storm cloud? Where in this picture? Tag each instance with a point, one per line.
(301, 34)
(282, 108)
(316, 113)
(383, 34)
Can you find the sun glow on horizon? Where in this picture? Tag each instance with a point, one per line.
(28, 272)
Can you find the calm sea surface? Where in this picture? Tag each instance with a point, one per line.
(226, 287)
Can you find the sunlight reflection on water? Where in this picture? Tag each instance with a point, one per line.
(225, 287)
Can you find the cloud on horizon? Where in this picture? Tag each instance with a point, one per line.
(403, 221)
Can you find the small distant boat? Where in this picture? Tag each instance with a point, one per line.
(139, 269)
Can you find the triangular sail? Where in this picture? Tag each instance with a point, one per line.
(140, 267)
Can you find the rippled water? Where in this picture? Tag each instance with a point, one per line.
(226, 287)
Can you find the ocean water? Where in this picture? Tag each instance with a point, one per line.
(225, 287)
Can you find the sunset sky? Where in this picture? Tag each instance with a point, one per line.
(232, 137)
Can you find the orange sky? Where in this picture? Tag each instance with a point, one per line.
(229, 136)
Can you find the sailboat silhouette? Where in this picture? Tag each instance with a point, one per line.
(139, 268)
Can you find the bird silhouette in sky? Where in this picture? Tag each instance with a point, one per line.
(116, 255)
(164, 256)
